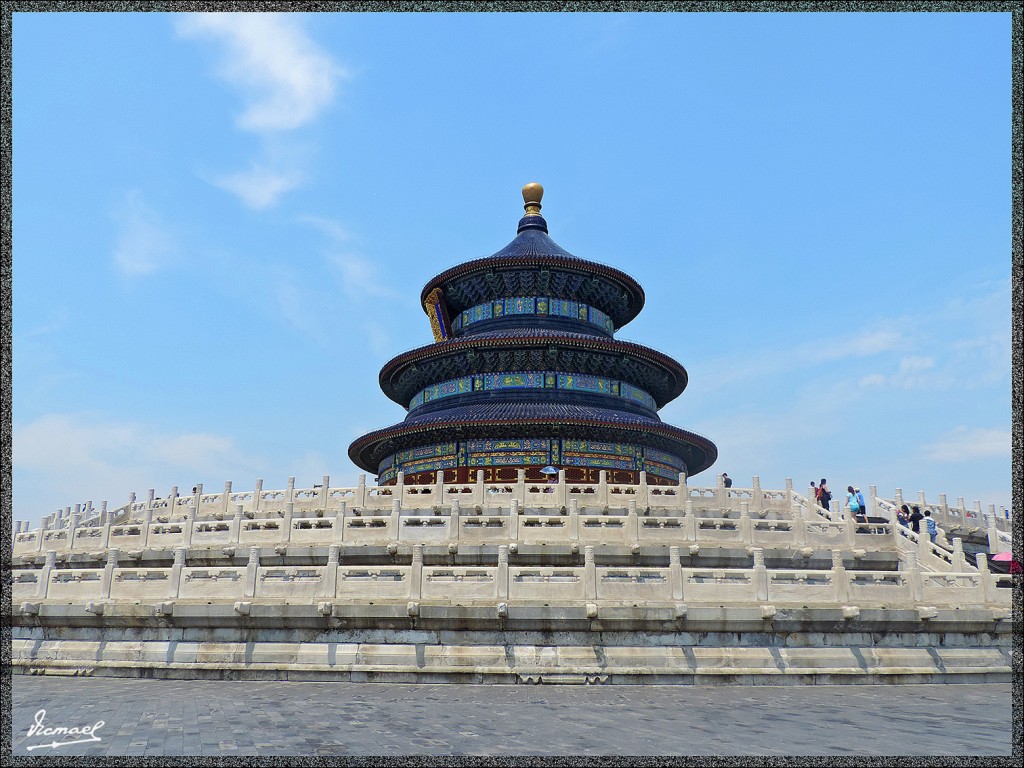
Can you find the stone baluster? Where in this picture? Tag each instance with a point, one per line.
(689, 522)
(914, 577)
(760, 576)
(721, 495)
(923, 541)
(872, 509)
(105, 537)
(632, 524)
(73, 524)
(225, 503)
(176, 572)
(643, 498)
(560, 489)
(108, 573)
(329, 583)
(790, 501)
(360, 500)
(501, 578)
(898, 497)
(251, 569)
(589, 574)
(602, 488)
(746, 525)
(416, 573)
(103, 512)
(799, 527)
(840, 579)
(675, 573)
(257, 498)
(810, 510)
(759, 504)
(44, 526)
(147, 523)
(289, 513)
(395, 523)
(988, 581)
(197, 497)
(150, 498)
(453, 525)
(398, 492)
(850, 531)
(995, 545)
(521, 487)
(961, 507)
(959, 561)
(172, 501)
(236, 524)
(324, 497)
(574, 521)
(289, 494)
(682, 491)
(921, 501)
(439, 487)
(945, 508)
(45, 574)
(513, 521)
(478, 492)
(339, 523)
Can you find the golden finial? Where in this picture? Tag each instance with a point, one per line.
(532, 193)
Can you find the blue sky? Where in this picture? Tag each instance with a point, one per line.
(222, 224)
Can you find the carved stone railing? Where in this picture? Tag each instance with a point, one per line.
(353, 514)
(909, 588)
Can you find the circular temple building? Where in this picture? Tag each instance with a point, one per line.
(526, 373)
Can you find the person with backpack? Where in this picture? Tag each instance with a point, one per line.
(933, 528)
(860, 500)
(824, 494)
(915, 519)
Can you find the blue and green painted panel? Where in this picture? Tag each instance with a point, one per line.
(572, 382)
(534, 305)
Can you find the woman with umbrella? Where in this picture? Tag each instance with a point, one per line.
(1007, 557)
(552, 473)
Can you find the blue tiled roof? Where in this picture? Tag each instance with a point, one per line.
(532, 242)
(515, 411)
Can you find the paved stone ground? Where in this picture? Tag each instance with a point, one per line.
(199, 717)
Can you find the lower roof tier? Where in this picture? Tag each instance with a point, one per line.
(532, 420)
(534, 349)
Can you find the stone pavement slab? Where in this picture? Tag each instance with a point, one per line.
(202, 717)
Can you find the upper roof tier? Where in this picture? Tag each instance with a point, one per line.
(534, 265)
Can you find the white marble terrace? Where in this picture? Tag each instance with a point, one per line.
(265, 525)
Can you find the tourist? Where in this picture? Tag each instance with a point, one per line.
(726, 480)
(863, 506)
(915, 519)
(903, 515)
(853, 503)
(824, 494)
(933, 528)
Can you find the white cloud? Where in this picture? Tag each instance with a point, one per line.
(359, 278)
(143, 243)
(966, 443)
(62, 459)
(287, 78)
(259, 187)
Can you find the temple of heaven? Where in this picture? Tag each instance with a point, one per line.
(525, 373)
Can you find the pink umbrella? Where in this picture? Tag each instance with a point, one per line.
(1001, 557)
